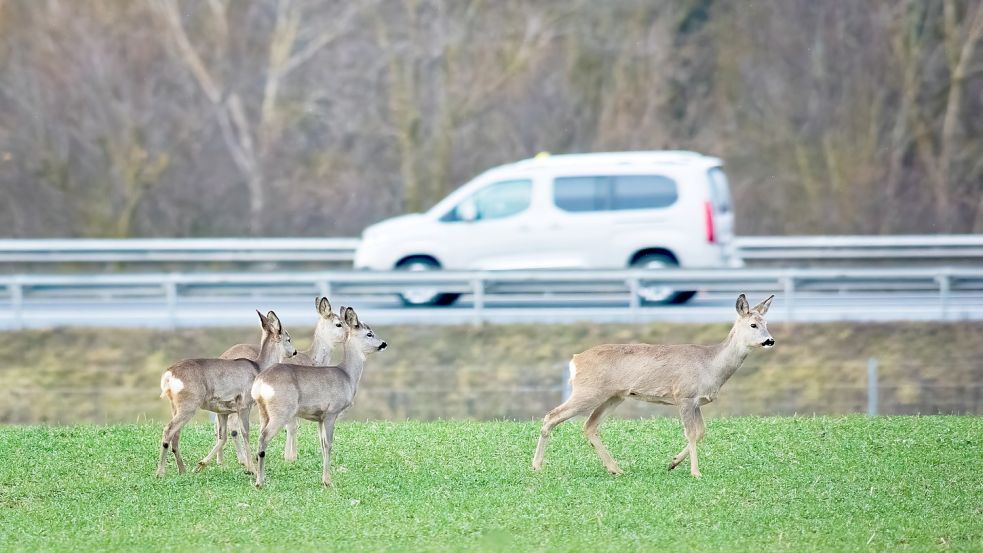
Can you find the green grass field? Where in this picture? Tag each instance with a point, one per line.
(790, 484)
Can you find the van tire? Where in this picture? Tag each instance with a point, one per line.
(665, 260)
(424, 263)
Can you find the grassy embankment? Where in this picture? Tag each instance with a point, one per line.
(112, 375)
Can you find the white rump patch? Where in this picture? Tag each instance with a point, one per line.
(266, 391)
(170, 383)
(573, 370)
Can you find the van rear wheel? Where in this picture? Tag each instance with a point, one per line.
(423, 297)
(655, 294)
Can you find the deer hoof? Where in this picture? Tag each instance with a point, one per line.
(200, 467)
(615, 471)
(696, 474)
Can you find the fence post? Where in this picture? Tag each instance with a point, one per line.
(566, 390)
(478, 289)
(170, 297)
(17, 304)
(789, 298)
(945, 286)
(872, 386)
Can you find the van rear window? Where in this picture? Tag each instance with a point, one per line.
(611, 193)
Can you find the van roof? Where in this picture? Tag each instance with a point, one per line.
(651, 157)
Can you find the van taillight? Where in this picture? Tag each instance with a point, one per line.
(708, 211)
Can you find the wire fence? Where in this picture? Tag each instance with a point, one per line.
(511, 396)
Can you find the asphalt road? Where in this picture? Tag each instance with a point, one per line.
(298, 311)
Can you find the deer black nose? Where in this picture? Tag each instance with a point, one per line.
(383, 346)
(768, 343)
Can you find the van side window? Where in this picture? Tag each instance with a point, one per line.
(495, 201)
(719, 189)
(608, 193)
(581, 193)
(643, 192)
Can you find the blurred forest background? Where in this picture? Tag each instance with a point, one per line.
(180, 118)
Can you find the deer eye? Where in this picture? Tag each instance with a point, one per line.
(754, 325)
(338, 325)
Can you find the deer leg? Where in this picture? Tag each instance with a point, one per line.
(591, 430)
(244, 430)
(240, 439)
(694, 429)
(171, 437)
(575, 405)
(326, 428)
(222, 424)
(679, 457)
(177, 454)
(270, 428)
(290, 449)
(231, 426)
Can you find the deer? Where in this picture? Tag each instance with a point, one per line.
(329, 332)
(286, 391)
(221, 386)
(687, 376)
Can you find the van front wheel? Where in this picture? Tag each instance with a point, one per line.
(423, 297)
(653, 294)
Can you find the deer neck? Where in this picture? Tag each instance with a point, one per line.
(729, 356)
(353, 363)
(320, 352)
(268, 354)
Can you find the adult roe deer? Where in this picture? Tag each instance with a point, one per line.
(285, 391)
(218, 385)
(329, 332)
(687, 376)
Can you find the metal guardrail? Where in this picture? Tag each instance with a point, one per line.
(771, 248)
(947, 246)
(177, 250)
(175, 288)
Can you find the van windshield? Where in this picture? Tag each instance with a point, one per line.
(495, 201)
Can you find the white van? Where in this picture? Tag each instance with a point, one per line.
(579, 211)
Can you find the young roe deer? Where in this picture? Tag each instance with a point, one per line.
(687, 376)
(221, 386)
(285, 391)
(328, 333)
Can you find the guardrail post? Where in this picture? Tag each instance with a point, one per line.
(170, 298)
(635, 299)
(945, 287)
(872, 386)
(478, 290)
(17, 304)
(789, 298)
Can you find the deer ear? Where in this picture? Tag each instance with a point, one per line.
(324, 307)
(351, 319)
(263, 322)
(742, 306)
(275, 324)
(762, 307)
